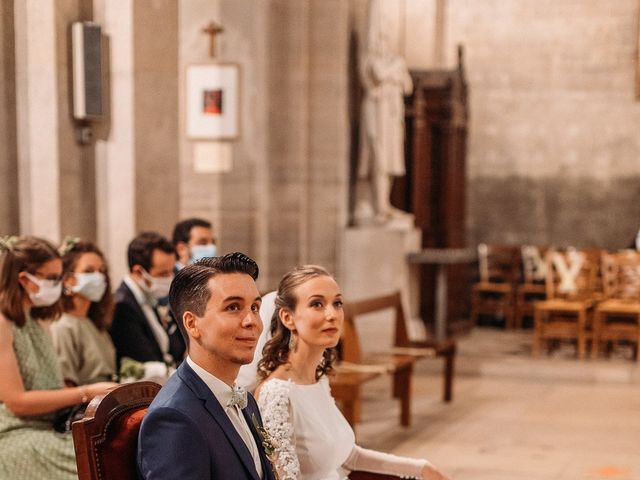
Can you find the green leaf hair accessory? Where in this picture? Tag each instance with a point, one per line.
(68, 244)
(7, 243)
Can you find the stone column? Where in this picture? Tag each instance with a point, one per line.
(55, 174)
(288, 147)
(76, 162)
(326, 182)
(115, 158)
(137, 149)
(155, 100)
(37, 118)
(9, 223)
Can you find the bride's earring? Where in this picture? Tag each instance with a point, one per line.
(293, 341)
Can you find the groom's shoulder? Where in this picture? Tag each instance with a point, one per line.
(175, 393)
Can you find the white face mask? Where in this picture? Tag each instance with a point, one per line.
(159, 287)
(90, 285)
(198, 252)
(48, 291)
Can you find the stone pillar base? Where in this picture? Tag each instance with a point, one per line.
(374, 263)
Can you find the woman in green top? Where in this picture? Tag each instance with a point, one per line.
(80, 337)
(31, 386)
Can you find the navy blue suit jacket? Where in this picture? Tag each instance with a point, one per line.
(186, 434)
(132, 335)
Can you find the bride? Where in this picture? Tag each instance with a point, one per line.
(311, 438)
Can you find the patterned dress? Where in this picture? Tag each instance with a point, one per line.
(29, 447)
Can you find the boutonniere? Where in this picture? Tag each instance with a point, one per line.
(268, 443)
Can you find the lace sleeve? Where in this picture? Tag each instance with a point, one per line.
(276, 416)
(378, 462)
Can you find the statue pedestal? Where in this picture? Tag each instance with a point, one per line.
(374, 262)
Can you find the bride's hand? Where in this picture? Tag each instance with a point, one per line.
(429, 472)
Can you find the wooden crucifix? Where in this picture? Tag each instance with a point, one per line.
(212, 30)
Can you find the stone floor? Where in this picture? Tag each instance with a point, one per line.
(514, 417)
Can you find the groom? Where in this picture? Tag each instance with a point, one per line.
(199, 426)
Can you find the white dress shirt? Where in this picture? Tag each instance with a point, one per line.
(222, 392)
(157, 329)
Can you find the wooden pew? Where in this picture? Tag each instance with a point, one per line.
(345, 388)
(398, 362)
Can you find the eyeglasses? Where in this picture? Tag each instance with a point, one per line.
(56, 279)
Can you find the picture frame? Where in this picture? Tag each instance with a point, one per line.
(213, 101)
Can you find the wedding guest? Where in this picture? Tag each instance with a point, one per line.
(312, 439)
(201, 425)
(80, 337)
(31, 384)
(193, 240)
(142, 330)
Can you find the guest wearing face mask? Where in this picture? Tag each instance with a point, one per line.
(31, 384)
(140, 330)
(80, 337)
(193, 240)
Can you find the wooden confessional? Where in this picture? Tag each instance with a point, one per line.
(436, 116)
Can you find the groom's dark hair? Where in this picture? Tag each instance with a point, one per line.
(190, 288)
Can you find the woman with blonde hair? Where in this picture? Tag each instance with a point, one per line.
(31, 385)
(310, 437)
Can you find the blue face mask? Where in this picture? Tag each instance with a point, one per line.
(198, 252)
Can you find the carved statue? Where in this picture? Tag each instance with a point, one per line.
(386, 80)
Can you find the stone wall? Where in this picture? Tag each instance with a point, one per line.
(554, 138)
(308, 133)
(284, 199)
(155, 84)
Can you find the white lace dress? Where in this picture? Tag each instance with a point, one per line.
(313, 439)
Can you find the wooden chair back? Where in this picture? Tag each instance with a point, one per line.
(403, 346)
(534, 266)
(359, 475)
(621, 274)
(498, 263)
(106, 439)
(350, 345)
(581, 265)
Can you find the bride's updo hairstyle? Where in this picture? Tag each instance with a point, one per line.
(276, 350)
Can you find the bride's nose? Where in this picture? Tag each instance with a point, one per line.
(330, 313)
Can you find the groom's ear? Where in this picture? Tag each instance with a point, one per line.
(189, 322)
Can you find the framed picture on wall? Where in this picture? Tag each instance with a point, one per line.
(213, 101)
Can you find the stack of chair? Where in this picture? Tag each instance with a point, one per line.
(571, 280)
(494, 294)
(617, 318)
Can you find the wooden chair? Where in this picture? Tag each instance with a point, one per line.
(398, 362)
(106, 439)
(618, 317)
(346, 387)
(494, 294)
(532, 289)
(357, 475)
(566, 314)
